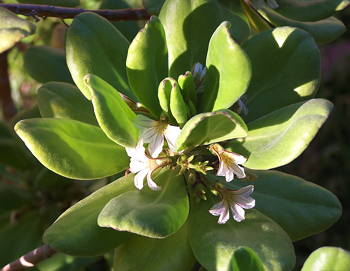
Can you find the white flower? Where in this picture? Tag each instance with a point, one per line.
(236, 201)
(153, 132)
(142, 166)
(229, 163)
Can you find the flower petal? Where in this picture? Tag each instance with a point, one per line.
(237, 212)
(135, 152)
(245, 191)
(171, 134)
(139, 177)
(156, 146)
(151, 184)
(239, 159)
(224, 217)
(245, 202)
(217, 208)
(238, 171)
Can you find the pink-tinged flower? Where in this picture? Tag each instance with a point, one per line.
(229, 163)
(143, 166)
(153, 132)
(236, 201)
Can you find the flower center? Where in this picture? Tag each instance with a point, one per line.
(160, 126)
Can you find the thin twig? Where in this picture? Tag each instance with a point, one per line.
(66, 13)
(8, 106)
(30, 259)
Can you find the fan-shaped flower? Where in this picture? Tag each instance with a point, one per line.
(236, 201)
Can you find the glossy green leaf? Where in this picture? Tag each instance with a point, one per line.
(94, 46)
(187, 84)
(71, 148)
(13, 29)
(300, 207)
(328, 258)
(282, 135)
(147, 64)
(215, 246)
(241, 30)
(228, 71)
(323, 31)
(155, 214)
(85, 237)
(285, 69)
(245, 259)
(45, 64)
(114, 116)
(63, 100)
(178, 106)
(171, 253)
(64, 262)
(188, 43)
(307, 10)
(164, 93)
(206, 128)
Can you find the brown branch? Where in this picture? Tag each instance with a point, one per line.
(65, 13)
(8, 106)
(30, 259)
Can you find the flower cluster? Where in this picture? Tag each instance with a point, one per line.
(155, 132)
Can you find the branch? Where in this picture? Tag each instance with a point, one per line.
(8, 106)
(30, 259)
(65, 13)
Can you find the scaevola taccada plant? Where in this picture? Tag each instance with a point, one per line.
(196, 114)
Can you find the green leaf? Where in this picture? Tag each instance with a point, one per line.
(301, 208)
(282, 135)
(147, 64)
(63, 100)
(307, 10)
(215, 246)
(188, 43)
(228, 71)
(114, 116)
(187, 85)
(323, 31)
(207, 128)
(94, 46)
(171, 253)
(63, 262)
(85, 237)
(46, 64)
(245, 259)
(13, 29)
(178, 107)
(285, 69)
(328, 258)
(155, 214)
(164, 93)
(71, 148)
